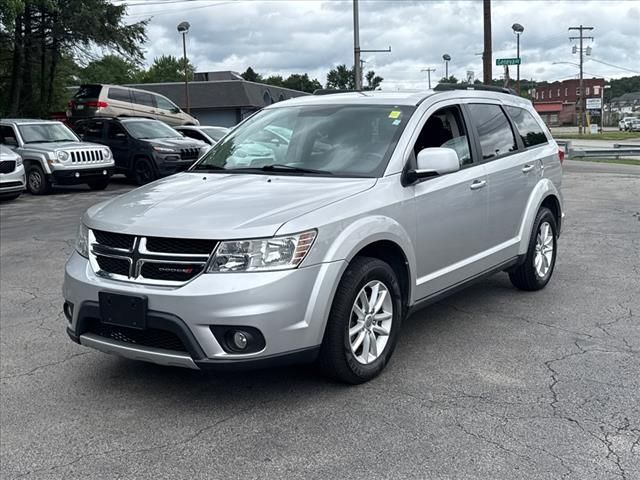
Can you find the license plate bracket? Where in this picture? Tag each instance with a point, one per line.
(123, 310)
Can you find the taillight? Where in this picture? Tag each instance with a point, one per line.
(96, 104)
(561, 155)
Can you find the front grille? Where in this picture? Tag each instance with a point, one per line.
(150, 337)
(10, 184)
(117, 266)
(87, 156)
(153, 260)
(180, 245)
(114, 240)
(172, 272)
(189, 153)
(7, 166)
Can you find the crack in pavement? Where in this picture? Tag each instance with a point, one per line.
(46, 365)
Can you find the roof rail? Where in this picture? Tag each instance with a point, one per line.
(445, 87)
(329, 91)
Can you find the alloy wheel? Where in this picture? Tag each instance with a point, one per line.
(370, 322)
(543, 256)
(35, 181)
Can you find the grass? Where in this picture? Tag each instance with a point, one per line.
(622, 161)
(599, 136)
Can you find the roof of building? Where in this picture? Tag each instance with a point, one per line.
(629, 97)
(230, 91)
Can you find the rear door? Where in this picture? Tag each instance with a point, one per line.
(118, 101)
(451, 209)
(120, 143)
(512, 174)
(144, 104)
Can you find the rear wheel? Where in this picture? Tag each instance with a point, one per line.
(363, 325)
(537, 268)
(37, 182)
(99, 184)
(143, 171)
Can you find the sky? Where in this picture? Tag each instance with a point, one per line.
(313, 36)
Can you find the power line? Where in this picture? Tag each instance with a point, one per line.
(581, 29)
(614, 66)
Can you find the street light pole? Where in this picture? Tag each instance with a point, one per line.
(446, 57)
(581, 29)
(183, 27)
(487, 74)
(356, 47)
(428, 70)
(518, 29)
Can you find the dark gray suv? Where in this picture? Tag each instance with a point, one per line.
(143, 149)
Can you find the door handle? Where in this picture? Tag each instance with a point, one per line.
(477, 184)
(527, 168)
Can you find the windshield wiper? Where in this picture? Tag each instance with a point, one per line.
(201, 167)
(279, 167)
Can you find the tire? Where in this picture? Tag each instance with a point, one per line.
(536, 270)
(99, 184)
(143, 171)
(37, 182)
(337, 358)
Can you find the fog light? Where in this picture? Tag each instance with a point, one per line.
(77, 174)
(68, 310)
(240, 340)
(104, 172)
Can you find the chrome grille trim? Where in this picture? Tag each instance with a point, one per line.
(138, 256)
(94, 155)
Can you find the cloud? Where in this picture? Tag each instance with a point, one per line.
(283, 37)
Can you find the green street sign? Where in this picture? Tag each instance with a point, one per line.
(507, 61)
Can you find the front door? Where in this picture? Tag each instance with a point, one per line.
(451, 209)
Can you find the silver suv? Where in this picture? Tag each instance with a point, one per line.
(377, 204)
(54, 155)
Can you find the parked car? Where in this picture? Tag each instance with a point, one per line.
(634, 125)
(95, 100)
(209, 135)
(54, 155)
(143, 149)
(12, 179)
(383, 203)
(623, 125)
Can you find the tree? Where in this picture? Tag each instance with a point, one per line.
(451, 79)
(167, 68)
(302, 83)
(110, 69)
(373, 80)
(251, 76)
(46, 37)
(341, 78)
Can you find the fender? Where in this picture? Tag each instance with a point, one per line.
(39, 159)
(545, 188)
(368, 230)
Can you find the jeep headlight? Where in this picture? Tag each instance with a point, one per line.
(82, 240)
(62, 155)
(160, 149)
(276, 253)
(106, 152)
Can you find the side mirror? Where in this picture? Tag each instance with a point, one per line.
(433, 162)
(175, 110)
(10, 142)
(121, 137)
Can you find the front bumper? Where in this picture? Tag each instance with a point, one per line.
(170, 164)
(81, 175)
(12, 183)
(289, 308)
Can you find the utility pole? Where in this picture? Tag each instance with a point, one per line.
(487, 54)
(581, 29)
(357, 66)
(428, 70)
(356, 47)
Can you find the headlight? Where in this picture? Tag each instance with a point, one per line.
(82, 240)
(18, 161)
(164, 149)
(277, 253)
(106, 153)
(62, 155)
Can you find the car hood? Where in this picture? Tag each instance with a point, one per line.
(54, 146)
(219, 206)
(176, 142)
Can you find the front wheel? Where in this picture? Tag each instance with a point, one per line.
(362, 329)
(37, 182)
(537, 268)
(143, 171)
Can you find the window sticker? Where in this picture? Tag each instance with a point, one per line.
(395, 114)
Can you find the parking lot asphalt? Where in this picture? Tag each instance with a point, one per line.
(491, 383)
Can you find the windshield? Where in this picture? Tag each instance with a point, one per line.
(216, 133)
(342, 140)
(46, 132)
(150, 129)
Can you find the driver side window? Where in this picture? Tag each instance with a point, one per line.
(446, 129)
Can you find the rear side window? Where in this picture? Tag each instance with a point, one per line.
(528, 128)
(496, 136)
(143, 98)
(88, 91)
(120, 94)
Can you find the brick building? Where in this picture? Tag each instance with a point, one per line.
(556, 102)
